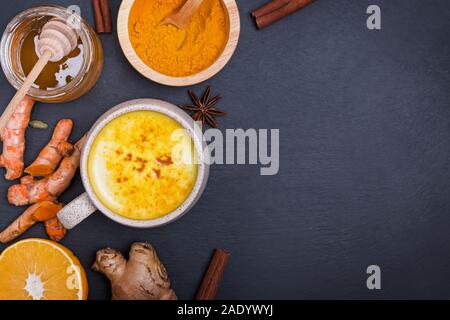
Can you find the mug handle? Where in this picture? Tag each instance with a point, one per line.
(76, 211)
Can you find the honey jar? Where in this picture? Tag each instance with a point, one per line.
(60, 81)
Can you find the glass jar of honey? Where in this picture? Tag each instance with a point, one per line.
(60, 81)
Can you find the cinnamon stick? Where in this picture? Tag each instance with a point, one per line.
(277, 10)
(106, 13)
(269, 7)
(102, 15)
(213, 276)
(99, 26)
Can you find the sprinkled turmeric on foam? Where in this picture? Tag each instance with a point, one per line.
(173, 51)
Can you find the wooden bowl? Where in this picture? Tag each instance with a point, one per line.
(148, 72)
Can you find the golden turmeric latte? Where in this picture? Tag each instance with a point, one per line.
(177, 52)
(136, 165)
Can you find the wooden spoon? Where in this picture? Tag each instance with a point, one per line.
(180, 19)
(56, 41)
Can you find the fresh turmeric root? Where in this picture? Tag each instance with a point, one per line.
(39, 212)
(13, 137)
(58, 147)
(142, 277)
(55, 230)
(31, 191)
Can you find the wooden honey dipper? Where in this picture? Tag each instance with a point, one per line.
(57, 40)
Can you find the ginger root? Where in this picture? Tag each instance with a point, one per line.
(31, 191)
(58, 147)
(13, 137)
(142, 277)
(39, 212)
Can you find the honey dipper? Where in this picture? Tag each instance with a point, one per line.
(57, 40)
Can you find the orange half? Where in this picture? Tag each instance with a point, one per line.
(38, 269)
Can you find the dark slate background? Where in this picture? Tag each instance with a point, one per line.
(364, 178)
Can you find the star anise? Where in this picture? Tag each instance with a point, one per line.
(204, 109)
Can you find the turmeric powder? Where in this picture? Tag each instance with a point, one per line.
(172, 51)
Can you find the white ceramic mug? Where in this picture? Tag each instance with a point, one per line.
(87, 203)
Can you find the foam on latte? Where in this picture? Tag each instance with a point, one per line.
(142, 165)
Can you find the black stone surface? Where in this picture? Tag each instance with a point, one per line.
(364, 177)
